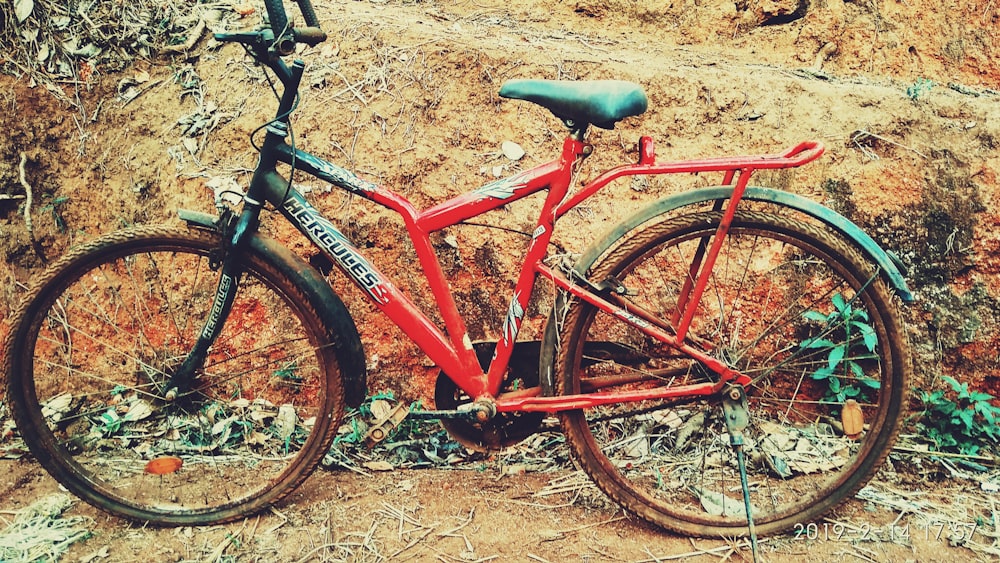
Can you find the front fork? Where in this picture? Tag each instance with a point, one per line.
(235, 240)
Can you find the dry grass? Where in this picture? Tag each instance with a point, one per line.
(63, 44)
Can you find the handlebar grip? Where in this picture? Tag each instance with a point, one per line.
(309, 35)
(306, 7)
(277, 16)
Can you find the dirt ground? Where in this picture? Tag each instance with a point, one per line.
(493, 512)
(904, 96)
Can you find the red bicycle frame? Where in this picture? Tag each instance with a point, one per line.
(452, 349)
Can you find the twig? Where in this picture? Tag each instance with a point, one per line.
(825, 52)
(226, 542)
(862, 135)
(307, 556)
(983, 459)
(284, 520)
(352, 88)
(28, 195)
(465, 523)
(713, 551)
(412, 543)
(193, 38)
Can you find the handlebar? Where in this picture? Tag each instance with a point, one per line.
(305, 6)
(287, 38)
(282, 38)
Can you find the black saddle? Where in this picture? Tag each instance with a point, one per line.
(601, 103)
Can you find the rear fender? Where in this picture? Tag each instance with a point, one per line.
(889, 265)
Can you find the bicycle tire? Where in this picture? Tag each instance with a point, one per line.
(783, 298)
(89, 354)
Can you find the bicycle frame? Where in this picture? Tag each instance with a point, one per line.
(452, 350)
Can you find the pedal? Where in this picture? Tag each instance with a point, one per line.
(389, 418)
(385, 422)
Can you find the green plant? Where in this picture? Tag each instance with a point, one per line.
(919, 88)
(964, 424)
(847, 338)
(55, 207)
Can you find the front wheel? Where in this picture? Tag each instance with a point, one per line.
(91, 353)
(787, 304)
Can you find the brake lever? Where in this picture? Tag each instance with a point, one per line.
(246, 37)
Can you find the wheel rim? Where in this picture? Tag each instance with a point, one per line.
(775, 311)
(102, 344)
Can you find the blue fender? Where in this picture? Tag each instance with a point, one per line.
(346, 342)
(888, 264)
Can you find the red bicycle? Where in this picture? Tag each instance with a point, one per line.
(727, 356)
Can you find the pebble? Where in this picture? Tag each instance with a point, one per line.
(512, 150)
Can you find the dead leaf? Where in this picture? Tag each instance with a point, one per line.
(378, 465)
(244, 10)
(23, 8)
(164, 465)
(718, 504)
(285, 423)
(381, 408)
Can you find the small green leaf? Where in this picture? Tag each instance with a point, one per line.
(838, 302)
(966, 416)
(834, 383)
(867, 334)
(835, 357)
(978, 397)
(873, 383)
(955, 385)
(814, 316)
(818, 343)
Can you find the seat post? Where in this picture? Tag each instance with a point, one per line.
(577, 131)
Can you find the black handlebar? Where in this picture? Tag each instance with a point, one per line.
(305, 6)
(285, 37)
(277, 16)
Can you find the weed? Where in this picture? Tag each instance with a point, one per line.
(289, 374)
(919, 88)
(55, 207)
(847, 339)
(964, 424)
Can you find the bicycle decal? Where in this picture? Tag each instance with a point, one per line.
(503, 188)
(327, 237)
(335, 174)
(225, 282)
(513, 319)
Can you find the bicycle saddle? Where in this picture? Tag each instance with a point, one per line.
(601, 103)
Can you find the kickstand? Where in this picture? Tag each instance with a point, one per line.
(734, 406)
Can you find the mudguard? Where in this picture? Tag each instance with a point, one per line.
(343, 335)
(889, 266)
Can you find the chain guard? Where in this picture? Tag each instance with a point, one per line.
(505, 429)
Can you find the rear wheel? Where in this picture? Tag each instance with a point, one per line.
(790, 306)
(90, 355)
